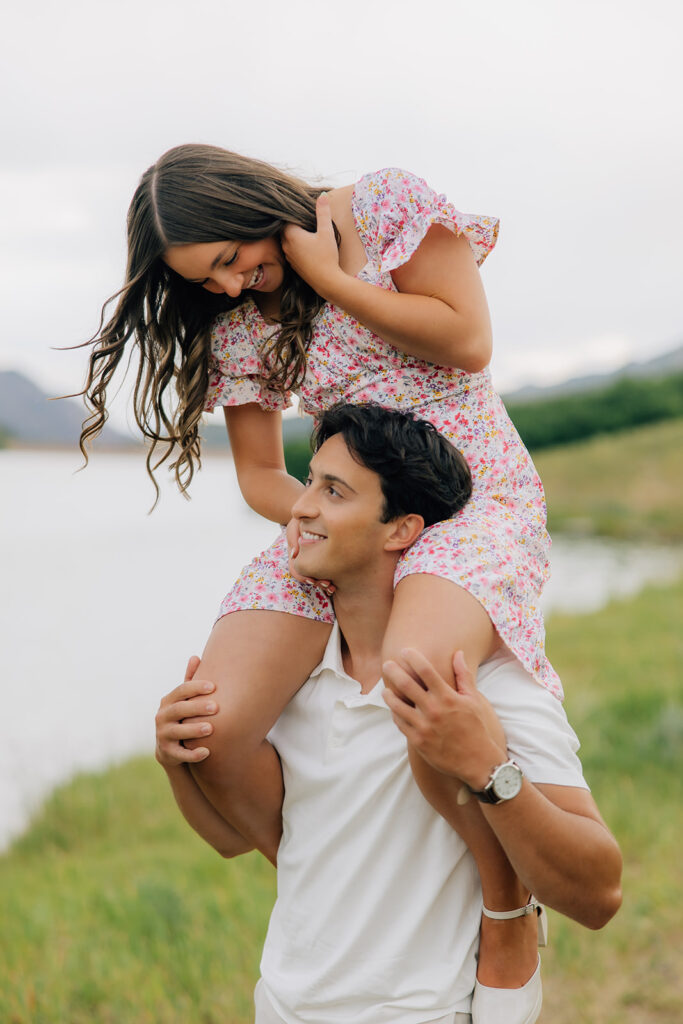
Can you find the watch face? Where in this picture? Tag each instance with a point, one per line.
(507, 781)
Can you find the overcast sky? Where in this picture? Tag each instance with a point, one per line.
(563, 119)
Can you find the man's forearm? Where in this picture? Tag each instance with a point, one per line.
(562, 850)
(202, 816)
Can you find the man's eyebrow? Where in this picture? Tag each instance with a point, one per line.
(332, 479)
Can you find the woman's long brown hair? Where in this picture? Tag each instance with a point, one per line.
(193, 194)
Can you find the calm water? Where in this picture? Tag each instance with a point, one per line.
(101, 604)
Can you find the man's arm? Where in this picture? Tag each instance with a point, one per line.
(202, 816)
(181, 716)
(553, 836)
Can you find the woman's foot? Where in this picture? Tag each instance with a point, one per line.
(508, 945)
(508, 986)
(509, 1005)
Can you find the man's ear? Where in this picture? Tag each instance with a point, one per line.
(404, 531)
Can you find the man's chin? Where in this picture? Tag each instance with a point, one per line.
(310, 568)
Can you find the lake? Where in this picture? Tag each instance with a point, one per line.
(101, 604)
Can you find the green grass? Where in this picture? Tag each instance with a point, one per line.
(622, 670)
(113, 912)
(626, 485)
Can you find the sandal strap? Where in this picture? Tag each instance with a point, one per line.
(532, 907)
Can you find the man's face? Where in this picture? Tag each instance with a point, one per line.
(339, 516)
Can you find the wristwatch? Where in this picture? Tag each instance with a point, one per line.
(504, 784)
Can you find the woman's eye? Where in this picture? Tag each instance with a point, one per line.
(333, 491)
(308, 482)
(231, 259)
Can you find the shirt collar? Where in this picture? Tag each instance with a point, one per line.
(332, 658)
(332, 662)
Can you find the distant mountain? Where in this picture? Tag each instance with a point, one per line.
(29, 416)
(660, 366)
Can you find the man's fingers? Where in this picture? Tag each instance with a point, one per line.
(187, 690)
(402, 683)
(186, 730)
(396, 677)
(464, 681)
(192, 666)
(404, 715)
(423, 669)
(176, 752)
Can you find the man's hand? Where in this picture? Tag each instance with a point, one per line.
(455, 730)
(182, 716)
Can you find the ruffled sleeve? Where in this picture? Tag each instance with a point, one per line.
(236, 369)
(394, 210)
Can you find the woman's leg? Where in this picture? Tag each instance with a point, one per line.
(257, 660)
(438, 617)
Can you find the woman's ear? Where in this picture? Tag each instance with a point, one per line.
(404, 531)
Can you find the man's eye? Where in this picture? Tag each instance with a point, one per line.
(307, 482)
(334, 491)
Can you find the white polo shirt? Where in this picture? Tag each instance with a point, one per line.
(378, 907)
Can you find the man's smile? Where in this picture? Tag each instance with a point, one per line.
(308, 537)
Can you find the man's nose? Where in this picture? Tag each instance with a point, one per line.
(304, 506)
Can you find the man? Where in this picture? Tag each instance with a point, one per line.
(378, 908)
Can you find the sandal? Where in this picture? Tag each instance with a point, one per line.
(512, 1005)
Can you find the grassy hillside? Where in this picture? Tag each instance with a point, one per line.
(624, 403)
(619, 485)
(113, 912)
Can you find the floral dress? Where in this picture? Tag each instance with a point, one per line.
(497, 546)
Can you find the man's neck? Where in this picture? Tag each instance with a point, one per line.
(362, 610)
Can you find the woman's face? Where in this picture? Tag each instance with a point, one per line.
(230, 268)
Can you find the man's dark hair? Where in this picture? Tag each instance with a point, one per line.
(420, 471)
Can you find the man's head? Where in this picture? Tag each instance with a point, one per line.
(377, 478)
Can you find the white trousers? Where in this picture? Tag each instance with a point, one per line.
(265, 1014)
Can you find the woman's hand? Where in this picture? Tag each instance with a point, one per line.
(292, 533)
(314, 255)
(181, 716)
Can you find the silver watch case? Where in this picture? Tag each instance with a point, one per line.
(504, 784)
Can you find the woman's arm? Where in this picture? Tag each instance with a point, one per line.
(181, 716)
(439, 312)
(256, 443)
